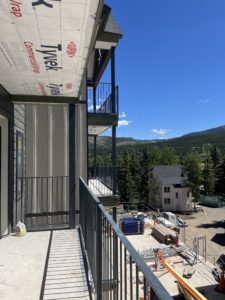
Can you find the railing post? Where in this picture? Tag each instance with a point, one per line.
(115, 258)
(114, 160)
(72, 166)
(99, 252)
(95, 154)
(113, 80)
(94, 99)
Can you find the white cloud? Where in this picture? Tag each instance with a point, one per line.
(124, 122)
(160, 132)
(91, 107)
(123, 115)
(204, 101)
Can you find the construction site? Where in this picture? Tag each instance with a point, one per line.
(185, 258)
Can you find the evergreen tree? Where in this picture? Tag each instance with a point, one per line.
(216, 161)
(193, 171)
(215, 156)
(126, 182)
(144, 174)
(220, 183)
(208, 174)
(154, 190)
(167, 157)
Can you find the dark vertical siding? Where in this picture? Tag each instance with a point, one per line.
(6, 110)
(19, 126)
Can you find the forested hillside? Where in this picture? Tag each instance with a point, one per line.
(193, 141)
(201, 154)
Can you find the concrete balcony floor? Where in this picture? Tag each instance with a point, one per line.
(99, 188)
(22, 265)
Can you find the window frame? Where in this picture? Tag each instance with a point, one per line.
(167, 200)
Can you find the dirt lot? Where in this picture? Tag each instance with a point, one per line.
(210, 223)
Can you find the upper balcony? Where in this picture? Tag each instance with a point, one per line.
(102, 108)
(102, 185)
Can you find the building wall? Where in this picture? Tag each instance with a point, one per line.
(47, 140)
(167, 207)
(182, 203)
(48, 143)
(184, 199)
(6, 121)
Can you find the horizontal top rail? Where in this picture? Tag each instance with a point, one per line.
(34, 177)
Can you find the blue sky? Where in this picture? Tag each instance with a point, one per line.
(170, 66)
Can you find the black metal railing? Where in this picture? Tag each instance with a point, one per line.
(102, 101)
(101, 177)
(117, 270)
(44, 203)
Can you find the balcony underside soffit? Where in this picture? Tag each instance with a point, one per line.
(96, 130)
(98, 123)
(45, 45)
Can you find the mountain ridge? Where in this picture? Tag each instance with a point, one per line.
(184, 143)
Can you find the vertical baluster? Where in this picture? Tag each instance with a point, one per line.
(145, 289)
(137, 284)
(125, 273)
(121, 271)
(47, 208)
(131, 279)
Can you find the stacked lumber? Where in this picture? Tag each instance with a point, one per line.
(164, 234)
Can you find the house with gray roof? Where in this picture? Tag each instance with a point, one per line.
(172, 193)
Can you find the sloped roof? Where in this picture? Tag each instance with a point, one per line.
(169, 174)
(112, 26)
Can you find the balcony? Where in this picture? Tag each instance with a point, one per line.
(94, 261)
(115, 266)
(100, 181)
(102, 109)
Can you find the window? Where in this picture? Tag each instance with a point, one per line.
(167, 201)
(176, 195)
(166, 189)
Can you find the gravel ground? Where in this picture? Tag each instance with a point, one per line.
(210, 223)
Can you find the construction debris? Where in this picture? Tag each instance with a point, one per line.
(149, 254)
(188, 272)
(165, 235)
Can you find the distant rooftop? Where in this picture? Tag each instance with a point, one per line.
(169, 174)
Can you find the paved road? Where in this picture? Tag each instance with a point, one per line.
(211, 223)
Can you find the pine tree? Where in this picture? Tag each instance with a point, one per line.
(167, 157)
(215, 156)
(126, 181)
(220, 183)
(144, 175)
(154, 190)
(208, 175)
(193, 171)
